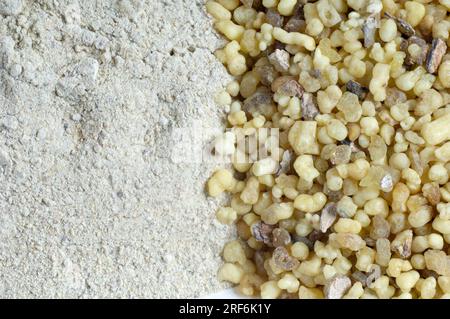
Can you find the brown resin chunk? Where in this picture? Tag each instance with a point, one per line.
(434, 57)
(309, 107)
(357, 89)
(262, 232)
(404, 27)
(327, 217)
(337, 287)
(282, 259)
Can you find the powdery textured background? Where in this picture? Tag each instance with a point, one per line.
(90, 203)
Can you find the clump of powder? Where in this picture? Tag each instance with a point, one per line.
(91, 96)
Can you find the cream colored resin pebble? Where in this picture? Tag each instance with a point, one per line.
(357, 94)
(226, 215)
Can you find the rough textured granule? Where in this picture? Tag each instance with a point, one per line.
(90, 203)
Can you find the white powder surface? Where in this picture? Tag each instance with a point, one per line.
(91, 204)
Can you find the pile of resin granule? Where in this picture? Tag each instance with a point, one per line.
(339, 137)
(91, 204)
